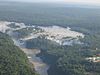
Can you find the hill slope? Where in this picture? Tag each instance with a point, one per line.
(12, 60)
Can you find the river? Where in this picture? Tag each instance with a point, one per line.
(40, 67)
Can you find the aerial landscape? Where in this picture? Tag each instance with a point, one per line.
(47, 37)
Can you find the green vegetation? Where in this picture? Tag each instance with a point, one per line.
(21, 33)
(12, 25)
(12, 60)
(45, 14)
(63, 60)
(66, 60)
(69, 60)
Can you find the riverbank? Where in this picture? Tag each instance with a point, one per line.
(40, 67)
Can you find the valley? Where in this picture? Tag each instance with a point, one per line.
(13, 30)
(49, 39)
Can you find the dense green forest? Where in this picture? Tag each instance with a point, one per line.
(12, 60)
(45, 14)
(68, 60)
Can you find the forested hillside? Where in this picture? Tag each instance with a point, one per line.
(69, 60)
(12, 60)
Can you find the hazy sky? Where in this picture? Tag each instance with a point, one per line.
(84, 1)
(66, 1)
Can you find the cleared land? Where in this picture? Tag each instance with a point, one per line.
(58, 34)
